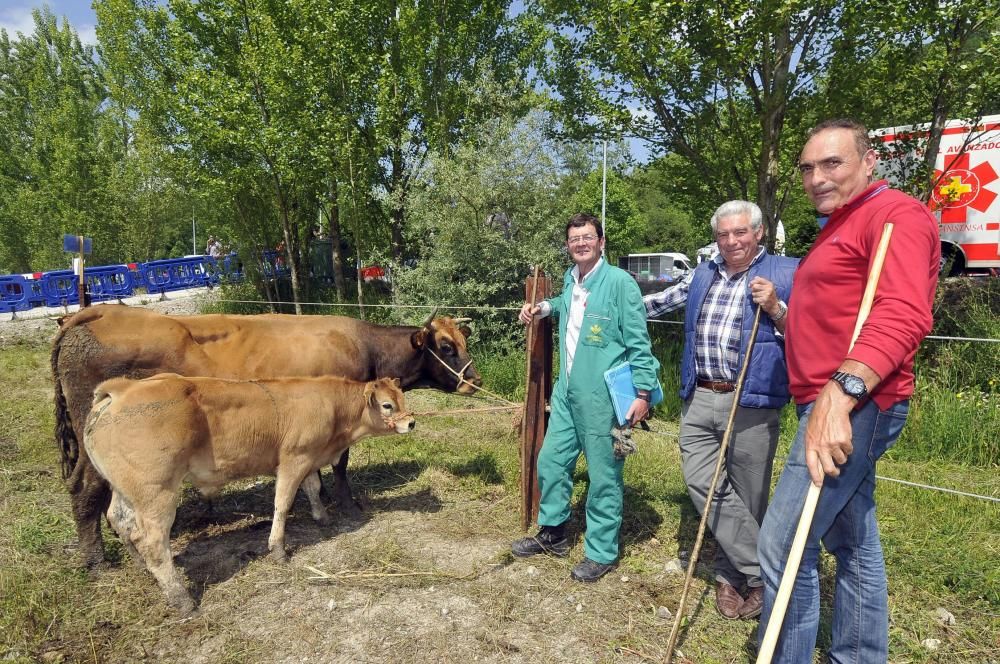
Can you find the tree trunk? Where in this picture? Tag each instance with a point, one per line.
(291, 244)
(333, 232)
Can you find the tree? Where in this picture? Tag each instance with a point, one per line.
(51, 94)
(925, 62)
(480, 216)
(715, 83)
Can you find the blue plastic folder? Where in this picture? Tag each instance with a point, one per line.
(619, 380)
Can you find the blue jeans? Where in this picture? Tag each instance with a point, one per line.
(845, 522)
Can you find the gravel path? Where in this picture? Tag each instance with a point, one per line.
(40, 323)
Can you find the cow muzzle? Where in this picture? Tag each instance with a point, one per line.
(400, 422)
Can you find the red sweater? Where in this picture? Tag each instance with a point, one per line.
(830, 284)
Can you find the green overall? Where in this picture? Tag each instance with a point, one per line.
(613, 332)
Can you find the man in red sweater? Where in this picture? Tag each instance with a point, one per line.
(851, 404)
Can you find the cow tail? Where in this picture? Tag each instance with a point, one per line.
(69, 446)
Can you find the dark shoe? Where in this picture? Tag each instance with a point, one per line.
(753, 603)
(550, 539)
(588, 571)
(727, 600)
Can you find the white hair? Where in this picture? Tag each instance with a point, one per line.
(735, 208)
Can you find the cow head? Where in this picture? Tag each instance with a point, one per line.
(386, 406)
(443, 340)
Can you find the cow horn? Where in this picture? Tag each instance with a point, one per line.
(461, 320)
(427, 323)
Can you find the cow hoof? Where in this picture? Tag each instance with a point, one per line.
(94, 561)
(278, 555)
(182, 603)
(325, 520)
(349, 506)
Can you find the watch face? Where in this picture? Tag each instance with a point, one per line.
(853, 385)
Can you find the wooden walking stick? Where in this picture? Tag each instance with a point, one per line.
(693, 563)
(777, 617)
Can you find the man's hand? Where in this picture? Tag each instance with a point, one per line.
(638, 411)
(528, 311)
(763, 293)
(828, 433)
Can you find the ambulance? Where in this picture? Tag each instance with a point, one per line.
(966, 193)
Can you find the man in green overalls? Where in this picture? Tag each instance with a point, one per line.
(602, 324)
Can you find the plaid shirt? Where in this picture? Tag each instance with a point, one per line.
(718, 328)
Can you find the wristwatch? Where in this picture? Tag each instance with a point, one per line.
(852, 385)
(782, 311)
(642, 394)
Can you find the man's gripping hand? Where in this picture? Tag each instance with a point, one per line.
(528, 311)
(828, 433)
(638, 411)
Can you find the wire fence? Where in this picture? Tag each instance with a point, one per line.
(478, 307)
(929, 487)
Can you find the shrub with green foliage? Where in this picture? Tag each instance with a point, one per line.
(955, 411)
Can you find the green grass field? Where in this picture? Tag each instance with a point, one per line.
(426, 574)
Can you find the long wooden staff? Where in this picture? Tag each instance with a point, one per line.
(693, 563)
(777, 617)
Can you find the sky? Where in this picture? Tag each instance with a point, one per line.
(15, 16)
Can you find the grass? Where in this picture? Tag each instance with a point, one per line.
(426, 573)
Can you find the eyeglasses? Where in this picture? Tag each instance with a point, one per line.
(581, 238)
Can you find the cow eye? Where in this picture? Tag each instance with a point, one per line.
(387, 405)
(447, 349)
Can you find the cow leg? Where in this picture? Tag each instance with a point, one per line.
(342, 497)
(152, 538)
(311, 486)
(90, 496)
(285, 486)
(121, 516)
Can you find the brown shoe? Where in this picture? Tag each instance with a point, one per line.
(753, 603)
(727, 600)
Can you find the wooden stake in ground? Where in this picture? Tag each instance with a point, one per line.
(538, 380)
(777, 617)
(693, 563)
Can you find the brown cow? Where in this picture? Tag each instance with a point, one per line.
(145, 437)
(108, 341)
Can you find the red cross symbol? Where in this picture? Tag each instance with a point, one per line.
(960, 188)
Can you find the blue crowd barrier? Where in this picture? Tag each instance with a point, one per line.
(179, 273)
(109, 282)
(13, 293)
(36, 292)
(60, 288)
(57, 288)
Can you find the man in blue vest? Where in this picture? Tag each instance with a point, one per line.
(720, 295)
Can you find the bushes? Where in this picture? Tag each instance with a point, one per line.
(955, 411)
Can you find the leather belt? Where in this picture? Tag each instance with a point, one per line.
(719, 386)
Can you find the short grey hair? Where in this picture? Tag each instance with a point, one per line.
(734, 208)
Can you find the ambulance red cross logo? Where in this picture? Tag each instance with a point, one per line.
(962, 187)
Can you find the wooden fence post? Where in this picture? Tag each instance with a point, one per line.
(536, 398)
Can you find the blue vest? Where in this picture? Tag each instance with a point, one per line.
(766, 382)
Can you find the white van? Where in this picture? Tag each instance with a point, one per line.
(656, 271)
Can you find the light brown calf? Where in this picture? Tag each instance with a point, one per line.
(146, 436)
